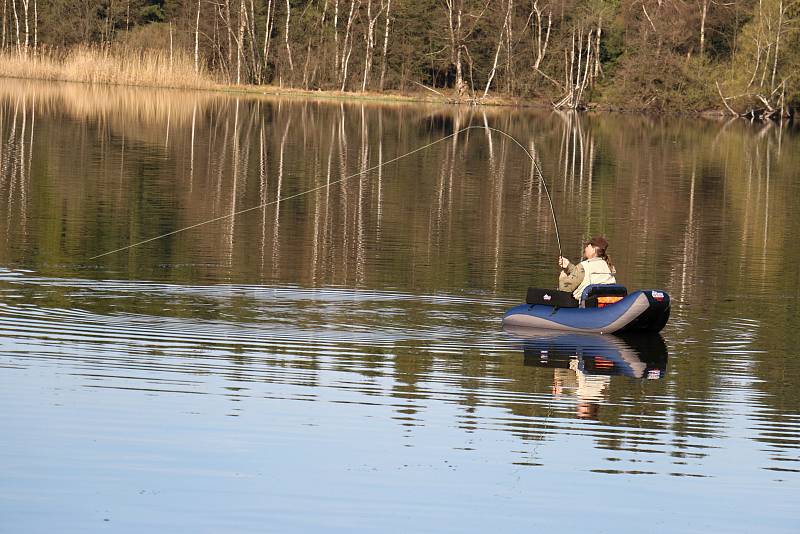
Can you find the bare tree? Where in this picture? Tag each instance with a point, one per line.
(455, 13)
(16, 25)
(578, 63)
(229, 28)
(286, 36)
(25, 4)
(269, 25)
(35, 26)
(336, 37)
(347, 46)
(255, 61)
(385, 43)
(240, 42)
(770, 25)
(5, 23)
(703, 5)
(370, 39)
(197, 40)
(506, 29)
(540, 43)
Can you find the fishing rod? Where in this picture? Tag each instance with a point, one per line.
(360, 173)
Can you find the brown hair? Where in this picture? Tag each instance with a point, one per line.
(601, 244)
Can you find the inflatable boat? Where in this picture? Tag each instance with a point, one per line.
(602, 309)
(642, 356)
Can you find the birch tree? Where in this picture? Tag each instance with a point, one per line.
(240, 42)
(286, 36)
(5, 24)
(197, 40)
(370, 43)
(578, 63)
(25, 6)
(703, 5)
(347, 45)
(505, 30)
(385, 43)
(455, 14)
(269, 25)
(16, 26)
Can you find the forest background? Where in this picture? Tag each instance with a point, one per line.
(740, 57)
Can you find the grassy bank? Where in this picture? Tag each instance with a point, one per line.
(119, 67)
(155, 68)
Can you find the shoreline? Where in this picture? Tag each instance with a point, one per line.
(379, 97)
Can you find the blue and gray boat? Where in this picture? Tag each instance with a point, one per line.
(602, 309)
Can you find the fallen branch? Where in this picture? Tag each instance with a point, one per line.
(725, 101)
(557, 84)
(766, 103)
(429, 89)
(649, 19)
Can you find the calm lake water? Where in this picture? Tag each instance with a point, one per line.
(336, 362)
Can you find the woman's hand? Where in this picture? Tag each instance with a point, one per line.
(563, 262)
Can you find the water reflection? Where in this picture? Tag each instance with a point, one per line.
(17, 125)
(583, 364)
(151, 165)
(372, 307)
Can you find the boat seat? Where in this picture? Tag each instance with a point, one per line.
(600, 295)
(551, 297)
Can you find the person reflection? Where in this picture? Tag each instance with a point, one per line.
(583, 364)
(588, 389)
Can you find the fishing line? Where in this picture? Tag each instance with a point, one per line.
(360, 173)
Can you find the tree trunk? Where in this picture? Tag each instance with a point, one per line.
(777, 44)
(321, 46)
(286, 36)
(541, 46)
(509, 51)
(269, 25)
(227, 21)
(586, 69)
(703, 14)
(597, 67)
(16, 25)
(370, 37)
(197, 40)
(254, 59)
(25, 4)
(305, 65)
(385, 43)
(454, 18)
(106, 39)
(503, 30)
(240, 43)
(368, 40)
(347, 46)
(336, 37)
(5, 23)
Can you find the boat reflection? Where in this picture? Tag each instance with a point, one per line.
(584, 363)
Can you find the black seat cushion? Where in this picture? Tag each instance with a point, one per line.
(551, 297)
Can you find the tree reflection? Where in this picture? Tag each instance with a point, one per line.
(706, 211)
(17, 126)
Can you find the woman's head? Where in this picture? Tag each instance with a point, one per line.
(595, 247)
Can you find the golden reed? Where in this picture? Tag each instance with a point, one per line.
(154, 68)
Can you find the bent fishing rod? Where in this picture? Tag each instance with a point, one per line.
(351, 176)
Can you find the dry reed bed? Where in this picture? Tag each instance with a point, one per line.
(151, 68)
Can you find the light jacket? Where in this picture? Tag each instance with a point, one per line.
(595, 271)
(592, 271)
